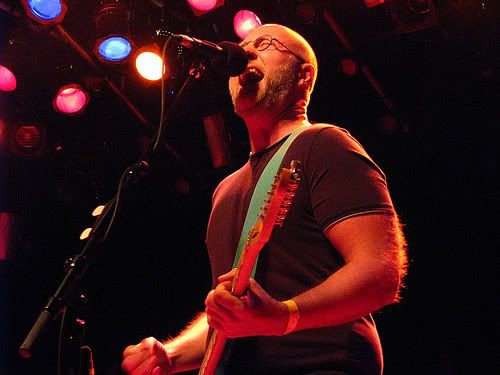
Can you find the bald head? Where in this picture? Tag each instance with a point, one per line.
(292, 40)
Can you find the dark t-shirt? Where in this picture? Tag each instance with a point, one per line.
(339, 180)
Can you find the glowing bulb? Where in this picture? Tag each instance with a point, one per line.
(245, 21)
(45, 9)
(203, 5)
(46, 12)
(115, 49)
(7, 79)
(149, 65)
(70, 100)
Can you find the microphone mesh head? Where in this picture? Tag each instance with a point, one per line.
(236, 60)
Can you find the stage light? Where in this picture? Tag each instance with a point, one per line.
(373, 3)
(348, 67)
(149, 63)
(245, 21)
(9, 227)
(70, 100)
(28, 139)
(7, 79)
(114, 42)
(46, 11)
(306, 12)
(3, 134)
(201, 7)
(412, 15)
(114, 49)
(388, 124)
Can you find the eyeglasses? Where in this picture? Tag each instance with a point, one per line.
(263, 42)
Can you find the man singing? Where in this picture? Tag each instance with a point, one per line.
(339, 256)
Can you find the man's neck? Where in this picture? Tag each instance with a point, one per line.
(265, 128)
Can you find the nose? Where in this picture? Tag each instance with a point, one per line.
(250, 51)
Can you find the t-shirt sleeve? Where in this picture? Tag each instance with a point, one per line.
(343, 180)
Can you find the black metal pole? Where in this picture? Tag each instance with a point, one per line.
(77, 268)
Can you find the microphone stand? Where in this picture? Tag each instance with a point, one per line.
(67, 296)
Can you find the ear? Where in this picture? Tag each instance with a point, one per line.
(306, 75)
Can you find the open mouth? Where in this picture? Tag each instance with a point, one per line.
(251, 76)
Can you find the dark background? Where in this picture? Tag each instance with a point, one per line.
(436, 144)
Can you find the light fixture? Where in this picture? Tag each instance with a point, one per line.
(28, 139)
(3, 135)
(46, 12)
(70, 100)
(306, 12)
(348, 67)
(149, 63)
(373, 3)
(114, 42)
(412, 15)
(7, 79)
(245, 21)
(201, 7)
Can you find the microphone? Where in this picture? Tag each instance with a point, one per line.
(226, 57)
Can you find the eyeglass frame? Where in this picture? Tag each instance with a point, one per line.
(271, 39)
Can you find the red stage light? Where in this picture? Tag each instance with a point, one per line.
(70, 100)
(373, 3)
(3, 135)
(3, 130)
(28, 137)
(348, 67)
(7, 79)
(306, 11)
(203, 5)
(388, 124)
(200, 7)
(8, 227)
(245, 21)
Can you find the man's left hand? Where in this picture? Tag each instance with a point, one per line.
(254, 314)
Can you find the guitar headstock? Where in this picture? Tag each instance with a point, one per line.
(295, 171)
(277, 204)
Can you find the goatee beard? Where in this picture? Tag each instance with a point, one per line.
(279, 85)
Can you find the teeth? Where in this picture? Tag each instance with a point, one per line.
(251, 76)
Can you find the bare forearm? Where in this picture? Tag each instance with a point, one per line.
(374, 250)
(350, 293)
(187, 349)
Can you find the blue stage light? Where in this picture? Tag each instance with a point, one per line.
(115, 48)
(114, 42)
(46, 11)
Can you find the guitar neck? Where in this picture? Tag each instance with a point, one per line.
(272, 213)
(213, 353)
(241, 278)
(244, 269)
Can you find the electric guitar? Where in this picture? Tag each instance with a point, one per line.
(272, 213)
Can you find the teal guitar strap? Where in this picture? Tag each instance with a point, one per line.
(259, 196)
(262, 187)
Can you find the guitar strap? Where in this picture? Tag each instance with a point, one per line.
(266, 179)
(259, 195)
